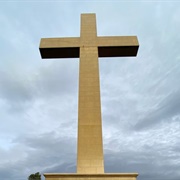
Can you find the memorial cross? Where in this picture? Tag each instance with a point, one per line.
(89, 47)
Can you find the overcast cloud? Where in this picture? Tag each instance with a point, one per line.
(140, 96)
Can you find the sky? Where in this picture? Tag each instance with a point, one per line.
(140, 96)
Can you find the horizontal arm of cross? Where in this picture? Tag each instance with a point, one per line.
(113, 46)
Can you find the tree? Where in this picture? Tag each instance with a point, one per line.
(36, 176)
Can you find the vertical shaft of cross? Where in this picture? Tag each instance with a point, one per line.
(90, 146)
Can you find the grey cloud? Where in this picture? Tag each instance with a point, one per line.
(144, 162)
(58, 79)
(67, 167)
(14, 88)
(167, 109)
(20, 92)
(5, 173)
(43, 153)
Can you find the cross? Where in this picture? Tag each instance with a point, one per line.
(89, 47)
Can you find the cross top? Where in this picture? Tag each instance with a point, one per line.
(113, 46)
(89, 47)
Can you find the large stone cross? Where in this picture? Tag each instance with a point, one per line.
(89, 47)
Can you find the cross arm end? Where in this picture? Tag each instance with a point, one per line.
(118, 46)
(59, 48)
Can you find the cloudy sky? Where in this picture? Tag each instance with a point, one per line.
(140, 96)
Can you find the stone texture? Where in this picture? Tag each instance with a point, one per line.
(107, 176)
(90, 152)
(90, 160)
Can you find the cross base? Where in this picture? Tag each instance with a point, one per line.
(104, 176)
